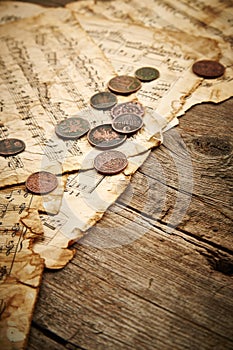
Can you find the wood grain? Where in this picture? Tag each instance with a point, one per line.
(162, 290)
(156, 272)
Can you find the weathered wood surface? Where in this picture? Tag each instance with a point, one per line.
(163, 289)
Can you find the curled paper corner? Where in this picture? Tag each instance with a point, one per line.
(31, 220)
(54, 257)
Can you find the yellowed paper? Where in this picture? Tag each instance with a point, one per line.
(84, 189)
(210, 16)
(130, 46)
(20, 268)
(49, 70)
(14, 10)
(210, 19)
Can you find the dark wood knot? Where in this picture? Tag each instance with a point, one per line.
(212, 146)
(221, 264)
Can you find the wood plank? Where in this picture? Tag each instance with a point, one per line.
(158, 292)
(49, 341)
(187, 181)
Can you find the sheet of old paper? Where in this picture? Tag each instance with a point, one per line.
(14, 10)
(130, 46)
(210, 19)
(49, 70)
(60, 232)
(20, 268)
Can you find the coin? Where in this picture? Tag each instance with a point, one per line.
(208, 69)
(72, 128)
(127, 123)
(104, 137)
(11, 147)
(147, 73)
(110, 162)
(124, 84)
(41, 182)
(103, 100)
(128, 107)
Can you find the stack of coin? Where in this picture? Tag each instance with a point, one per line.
(127, 117)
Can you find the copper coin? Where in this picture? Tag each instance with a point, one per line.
(103, 100)
(110, 162)
(147, 73)
(11, 147)
(72, 128)
(104, 137)
(41, 182)
(208, 69)
(128, 107)
(124, 84)
(127, 123)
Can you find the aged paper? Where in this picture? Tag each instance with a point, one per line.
(61, 230)
(210, 16)
(210, 19)
(130, 46)
(49, 70)
(20, 268)
(14, 10)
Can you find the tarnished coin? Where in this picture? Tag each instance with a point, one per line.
(41, 182)
(147, 73)
(72, 128)
(110, 162)
(11, 147)
(124, 84)
(127, 123)
(208, 69)
(128, 107)
(103, 100)
(104, 137)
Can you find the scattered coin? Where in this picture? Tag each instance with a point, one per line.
(72, 128)
(208, 69)
(110, 162)
(128, 107)
(104, 137)
(103, 100)
(124, 84)
(127, 123)
(41, 182)
(11, 147)
(147, 73)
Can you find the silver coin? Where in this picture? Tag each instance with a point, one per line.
(127, 123)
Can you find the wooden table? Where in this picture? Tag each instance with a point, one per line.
(163, 289)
